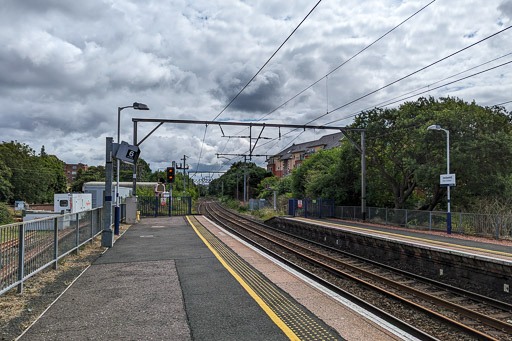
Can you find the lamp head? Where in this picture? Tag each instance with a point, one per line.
(434, 127)
(140, 106)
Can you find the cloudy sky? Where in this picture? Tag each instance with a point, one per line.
(65, 67)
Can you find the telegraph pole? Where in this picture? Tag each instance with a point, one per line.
(245, 177)
(185, 167)
(184, 172)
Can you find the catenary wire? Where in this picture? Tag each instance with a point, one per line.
(409, 75)
(440, 86)
(346, 61)
(253, 77)
(342, 64)
(435, 88)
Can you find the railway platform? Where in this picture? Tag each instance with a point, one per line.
(184, 278)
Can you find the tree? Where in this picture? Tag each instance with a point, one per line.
(25, 176)
(409, 159)
(254, 173)
(5, 215)
(93, 173)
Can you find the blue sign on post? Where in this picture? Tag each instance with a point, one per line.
(19, 205)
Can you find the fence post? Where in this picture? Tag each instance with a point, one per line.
(305, 208)
(430, 220)
(56, 241)
(460, 223)
(21, 257)
(92, 225)
(342, 212)
(77, 232)
(355, 216)
(320, 208)
(156, 206)
(369, 213)
(333, 209)
(189, 205)
(386, 215)
(405, 217)
(497, 227)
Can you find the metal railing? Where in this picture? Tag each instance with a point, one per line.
(29, 247)
(485, 225)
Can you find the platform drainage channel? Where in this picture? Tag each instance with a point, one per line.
(300, 321)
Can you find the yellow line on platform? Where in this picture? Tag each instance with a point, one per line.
(410, 237)
(288, 332)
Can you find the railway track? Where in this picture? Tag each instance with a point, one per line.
(456, 314)
(34, 247)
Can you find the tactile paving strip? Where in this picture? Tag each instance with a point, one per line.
(296, 321)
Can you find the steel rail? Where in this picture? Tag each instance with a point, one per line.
(354, 299)
(470, 295)
(500, 325)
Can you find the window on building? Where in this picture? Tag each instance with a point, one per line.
(73, 178)
(74, 167)
(74, 173)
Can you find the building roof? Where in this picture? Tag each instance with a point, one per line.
(121, 184)
(328, 141)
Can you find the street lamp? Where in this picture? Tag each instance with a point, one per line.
(448, 213)
(136, 106)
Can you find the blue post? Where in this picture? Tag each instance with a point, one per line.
(305, 208)
(117, 218)
(320, 208)
(156, 206)
(332, 208)
(449, 222)
(189, 205)
(293, 207)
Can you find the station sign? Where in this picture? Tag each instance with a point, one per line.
(19, 205)
(447, 180)
(299, 203)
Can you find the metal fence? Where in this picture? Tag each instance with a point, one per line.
(29, 247)
(156, 206)
(485, 225)
(313, 208)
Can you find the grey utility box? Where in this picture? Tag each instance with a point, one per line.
(131, 210)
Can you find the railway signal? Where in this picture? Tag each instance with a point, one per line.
(170, 175)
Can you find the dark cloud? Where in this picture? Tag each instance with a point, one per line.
(65, 66)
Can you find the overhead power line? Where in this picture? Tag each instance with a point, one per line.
(435, 88)
(343, 63)
(440, 86)
(496, 105)
(409, 75)
(272, 56)
(346, 61)
(253, 77)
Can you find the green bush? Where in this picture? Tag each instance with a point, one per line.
(5, 215)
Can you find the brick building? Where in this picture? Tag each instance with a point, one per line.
(71, 170)
(282, 163)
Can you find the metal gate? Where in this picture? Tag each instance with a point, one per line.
(157, 206)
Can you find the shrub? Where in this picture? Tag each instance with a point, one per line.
(5, 215)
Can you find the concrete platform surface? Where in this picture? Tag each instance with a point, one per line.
(158, 282)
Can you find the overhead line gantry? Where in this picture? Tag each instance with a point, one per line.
(344, 130)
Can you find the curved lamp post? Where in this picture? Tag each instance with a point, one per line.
(136, 106)
(448, 214)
